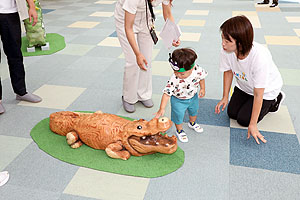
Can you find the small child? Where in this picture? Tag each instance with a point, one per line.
(182, 88)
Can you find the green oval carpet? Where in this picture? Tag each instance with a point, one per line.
(148, 166)
(56, 43)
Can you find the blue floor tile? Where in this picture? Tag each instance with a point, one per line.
(114, 34)
(45, 11)
(206, 114)
(281, 152)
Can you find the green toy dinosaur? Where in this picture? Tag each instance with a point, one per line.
(36, 35)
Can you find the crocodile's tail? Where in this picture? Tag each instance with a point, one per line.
(63, 122)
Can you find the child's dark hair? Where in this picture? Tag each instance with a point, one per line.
(241, 30)
(184, 58)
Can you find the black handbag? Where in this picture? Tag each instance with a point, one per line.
(151, 30)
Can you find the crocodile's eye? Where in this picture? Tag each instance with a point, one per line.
(139, 127)
(163, 119)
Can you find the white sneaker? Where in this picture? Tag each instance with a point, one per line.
(4, 176)
(196, 127)
(182, 136)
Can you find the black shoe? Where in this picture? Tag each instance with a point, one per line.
(273, 5)
(264, 2)
(275, 108)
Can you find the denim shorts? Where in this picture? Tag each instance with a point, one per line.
(179, 106)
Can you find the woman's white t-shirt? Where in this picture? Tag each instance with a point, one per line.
(8, 6)
(257, 70)
(133, 6)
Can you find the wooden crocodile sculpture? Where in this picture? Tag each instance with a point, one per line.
(119, 137)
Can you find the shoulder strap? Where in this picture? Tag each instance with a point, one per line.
(151, 10)
(148, 3)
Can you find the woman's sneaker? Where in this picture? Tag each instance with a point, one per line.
(182, 136)
(147, 103)
(196, 127)
(29, 97)
(278, 101)
(273, 5)
(263, 2)
(4, 176)
(128, 106)
(2, 109)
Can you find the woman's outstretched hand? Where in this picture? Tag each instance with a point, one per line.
(253, 130)
(141, 61)
(223, 103)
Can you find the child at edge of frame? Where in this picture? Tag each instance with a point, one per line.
(182, 89)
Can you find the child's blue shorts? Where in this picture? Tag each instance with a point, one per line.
(179, 106)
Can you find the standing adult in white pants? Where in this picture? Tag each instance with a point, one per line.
(137, 44)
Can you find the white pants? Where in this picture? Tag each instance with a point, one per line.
(137, 83)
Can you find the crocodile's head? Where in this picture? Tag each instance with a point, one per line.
(145, 137)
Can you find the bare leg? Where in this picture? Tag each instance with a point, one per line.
(193, 118)
(178, 126)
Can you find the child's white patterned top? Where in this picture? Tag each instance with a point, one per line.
(185, 88)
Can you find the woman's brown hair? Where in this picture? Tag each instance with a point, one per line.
(241, 30)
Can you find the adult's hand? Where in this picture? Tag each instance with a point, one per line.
(223, 103)
(254, 132)
(176, 43)
(141, 61)
(32, 15)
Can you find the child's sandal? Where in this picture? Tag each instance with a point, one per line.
(196, 127)
(182, 136)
